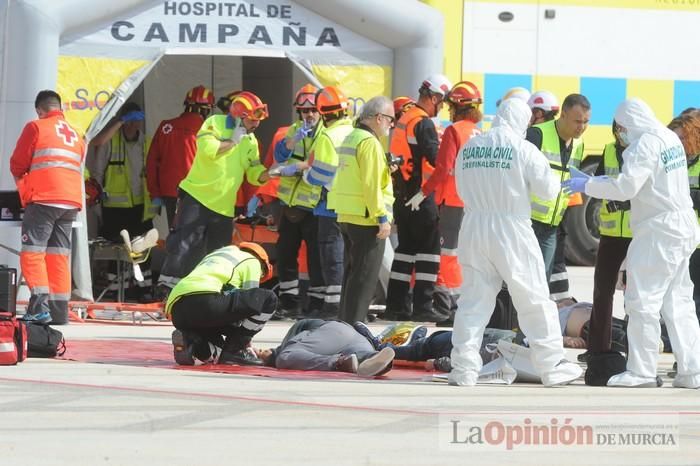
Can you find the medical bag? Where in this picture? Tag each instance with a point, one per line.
(13, 340)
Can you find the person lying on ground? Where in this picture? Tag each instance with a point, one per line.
(320, 345)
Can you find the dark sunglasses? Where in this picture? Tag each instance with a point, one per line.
(391, 118)
(308, 110)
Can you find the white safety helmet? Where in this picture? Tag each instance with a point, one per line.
(544, 100)
(437, 83)
(515, 92)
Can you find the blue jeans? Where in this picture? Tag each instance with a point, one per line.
(547, 238)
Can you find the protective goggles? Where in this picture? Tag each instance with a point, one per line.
(259, 113)
(306, 101)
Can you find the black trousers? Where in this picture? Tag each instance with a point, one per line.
(418, 250)
(695, 277)
(197, 231)
(363, 258)
(330, 247)
(611, 253)
(297, 225)
(559, 280)
(170, 208)
(237, 316)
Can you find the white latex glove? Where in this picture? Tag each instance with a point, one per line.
(238, 134)
(415, 201)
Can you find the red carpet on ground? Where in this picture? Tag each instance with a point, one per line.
(159, 354)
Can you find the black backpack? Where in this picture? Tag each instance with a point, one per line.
(44, 341)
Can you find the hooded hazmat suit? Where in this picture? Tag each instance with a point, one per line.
(665, 233)
(495, 174)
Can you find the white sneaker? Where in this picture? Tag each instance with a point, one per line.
(462, 379)
(378, 364)
(687, 381)
(563, 373)
(630, 380)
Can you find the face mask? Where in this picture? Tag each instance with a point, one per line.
(624, 138)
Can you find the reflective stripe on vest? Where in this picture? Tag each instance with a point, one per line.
(55, 164)
(56, 152)
(615, 224)
(293, 190)
(552, 211)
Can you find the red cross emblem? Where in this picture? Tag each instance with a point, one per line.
(66, 133)
(167, 128)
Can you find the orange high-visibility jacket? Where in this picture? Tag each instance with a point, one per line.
(403, 135)
(48, 162)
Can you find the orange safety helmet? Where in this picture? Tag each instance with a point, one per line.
(306, 97)
(401, 104)
(330, 99)
(200, 95)
(248, 105)
(259, 252)
(463, 94)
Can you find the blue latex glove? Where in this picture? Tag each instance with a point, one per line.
(252, 206)
(575, 185)
(157, 202)
(133, 116)
(576, 173)
(302, 132)
(289, 170)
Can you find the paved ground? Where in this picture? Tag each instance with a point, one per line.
(61, 412)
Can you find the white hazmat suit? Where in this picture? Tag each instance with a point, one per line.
(665, 233)
(495, 175)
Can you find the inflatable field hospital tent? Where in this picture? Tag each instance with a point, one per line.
(99, 53)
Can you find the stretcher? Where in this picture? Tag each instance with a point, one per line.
(85, 311)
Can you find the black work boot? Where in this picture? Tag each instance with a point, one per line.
(242, 357)
(182, 349)
(189, 348)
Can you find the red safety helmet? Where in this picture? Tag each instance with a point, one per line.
(401, 104)
(93, 192)
(248, 105)
(330, 99)
(306, 97)
(259, 252)
(200, 95)
(463, 94)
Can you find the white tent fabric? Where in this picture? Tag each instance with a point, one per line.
(394, 43)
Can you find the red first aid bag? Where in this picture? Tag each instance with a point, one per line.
(13, 340)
